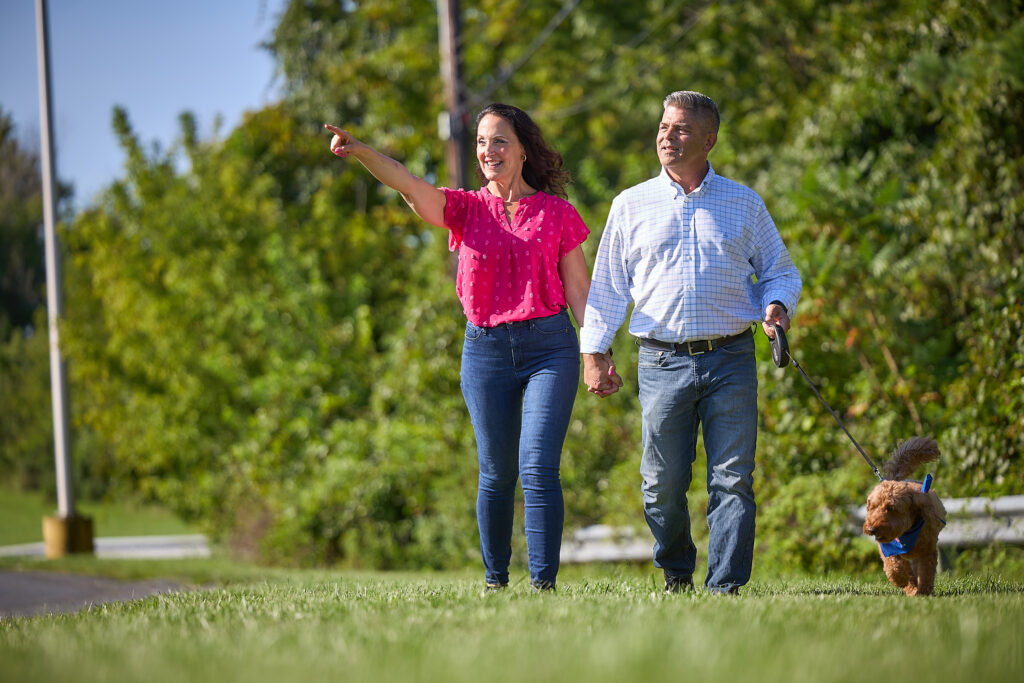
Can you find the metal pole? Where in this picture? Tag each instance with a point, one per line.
(452, 126)
(54, 304)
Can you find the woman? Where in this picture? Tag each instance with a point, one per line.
(520, 265)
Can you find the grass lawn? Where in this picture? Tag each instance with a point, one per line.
(22, 515)
(605, 623)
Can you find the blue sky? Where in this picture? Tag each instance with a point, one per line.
(154, 58)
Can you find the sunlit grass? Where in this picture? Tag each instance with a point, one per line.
(605, 623)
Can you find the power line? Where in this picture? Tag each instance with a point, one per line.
(507, 72)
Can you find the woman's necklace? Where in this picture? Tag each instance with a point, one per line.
(510, 210)
(511, 205)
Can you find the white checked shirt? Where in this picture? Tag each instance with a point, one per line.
(698, 266)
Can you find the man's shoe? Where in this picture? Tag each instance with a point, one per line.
(494, 587)
(678, 584)
(542, 586)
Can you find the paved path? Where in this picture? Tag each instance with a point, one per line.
(25, 594)
(39, 592)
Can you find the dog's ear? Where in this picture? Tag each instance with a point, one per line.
(924, 505)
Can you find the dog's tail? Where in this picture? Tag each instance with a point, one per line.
(910, 455)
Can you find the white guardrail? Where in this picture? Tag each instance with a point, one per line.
(603, 543)
(139, 547)
(973, 522)
(970, 523)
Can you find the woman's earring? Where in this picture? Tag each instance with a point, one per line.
(524, 157)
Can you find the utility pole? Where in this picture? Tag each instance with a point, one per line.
(66, 532)
(452, 123)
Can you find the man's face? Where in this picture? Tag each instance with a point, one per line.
(682, 138)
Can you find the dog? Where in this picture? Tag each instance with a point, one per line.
(905, 517)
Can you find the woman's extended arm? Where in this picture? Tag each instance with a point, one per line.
(422, 197)
(575, 281)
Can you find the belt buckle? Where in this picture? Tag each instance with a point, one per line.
(689, 347)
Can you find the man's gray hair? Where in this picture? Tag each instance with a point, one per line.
(700, 104)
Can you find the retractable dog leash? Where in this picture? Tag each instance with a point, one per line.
(781, 357)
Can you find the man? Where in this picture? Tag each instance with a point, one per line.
(702, 260)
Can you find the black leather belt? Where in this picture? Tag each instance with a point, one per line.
(692, 348)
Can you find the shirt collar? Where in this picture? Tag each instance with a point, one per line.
(701, 189)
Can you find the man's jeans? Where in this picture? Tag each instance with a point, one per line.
(519, 380)
(678, 392)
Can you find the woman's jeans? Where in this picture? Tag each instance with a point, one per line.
(678, 392)
(519, 380)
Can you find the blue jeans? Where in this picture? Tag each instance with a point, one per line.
(718, 391)
(519, 381)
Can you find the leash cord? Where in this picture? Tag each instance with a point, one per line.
(818, 394)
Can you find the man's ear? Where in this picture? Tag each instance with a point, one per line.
(710, 141)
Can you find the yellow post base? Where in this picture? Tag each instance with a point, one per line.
(65, 535)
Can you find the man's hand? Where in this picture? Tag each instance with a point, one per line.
(599, 374)
(775, 314)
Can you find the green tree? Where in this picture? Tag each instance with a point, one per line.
(21, 214)
(26, 431)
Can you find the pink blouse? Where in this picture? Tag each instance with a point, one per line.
(510, 272)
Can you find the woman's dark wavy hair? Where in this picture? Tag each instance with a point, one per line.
(543, 168)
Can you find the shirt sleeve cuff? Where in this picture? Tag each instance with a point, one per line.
(593, 343)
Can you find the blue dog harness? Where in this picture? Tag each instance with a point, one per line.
(908, 539)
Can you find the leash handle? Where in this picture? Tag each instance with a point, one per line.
(780, 345)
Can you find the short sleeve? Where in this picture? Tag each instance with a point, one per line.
(456, 211)
(574, 230)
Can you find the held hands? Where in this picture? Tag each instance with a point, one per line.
(343, 143)
(599, 368)
(775, 314)
(599, 374)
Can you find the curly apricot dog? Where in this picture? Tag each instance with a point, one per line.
(905, 517)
